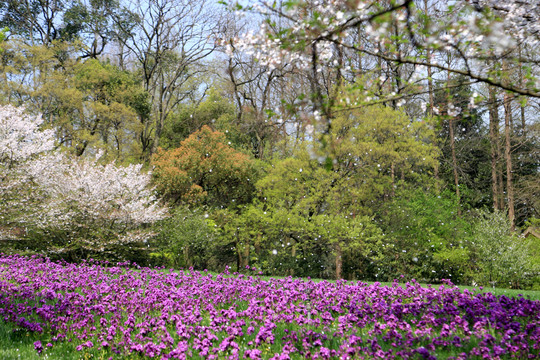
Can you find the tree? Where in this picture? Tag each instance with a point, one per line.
(21, 137)
(86, 208)
(527, 164)
(214, 111)
(45, 22)
(503, 257)
(112, 103)
(91, 22)
(460, 131)
(76, 205)
(470, 33)
(169, 41)
(306, 221)
(425, 237)
(187, 238)
(21, 140)
(257, 91)
(89, 103)
(320, 204)
(205, 169)
(36, 20)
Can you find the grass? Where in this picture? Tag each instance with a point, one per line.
(16, 343)
(527, 294)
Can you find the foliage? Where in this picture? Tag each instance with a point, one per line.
(425, 238)
(2, 37)
(350, 108)
(89, 103)
(305, 221)
(310, 206)
(205, 170)
(504, 258)
(88, 208)
(317, 33)
(20, 135)
(381, 148)
(75, 205)
(356, 241)
(215, 111)
(113, 103)
(186, 238)
(22, 140)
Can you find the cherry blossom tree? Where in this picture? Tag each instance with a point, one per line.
(20, 141)
(395, 51)
(20, 135)
(78, 205)
(88, 206)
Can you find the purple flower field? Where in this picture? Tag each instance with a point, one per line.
(146, 312)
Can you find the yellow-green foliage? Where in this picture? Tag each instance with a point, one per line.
(91, 104)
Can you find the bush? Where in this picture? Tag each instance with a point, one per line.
(504, 258)
(425, 238)
(186, 239)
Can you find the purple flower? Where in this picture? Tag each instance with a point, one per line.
(38, 347)
(252, 354)
(181, 315)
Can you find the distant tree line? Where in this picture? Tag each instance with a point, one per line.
(359, 140)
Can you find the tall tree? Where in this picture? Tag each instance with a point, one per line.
(37, 21)
(90, 21)
(257, 90)
(90, 103)
(168, 41)
(508, 154)
(470, 33)
(495, 150)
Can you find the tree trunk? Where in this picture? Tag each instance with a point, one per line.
(339, 261)
(508, 157)
(454, 162)
(293, 253)
(524, 99)
(187, 259)
(392, 169)
(238, 252)
(494, 147)
(246, 254)
(429, 71)
(453, 145)
(257, 245)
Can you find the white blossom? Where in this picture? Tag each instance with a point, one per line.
(46, 189)
(20, 135)
(75, 188)
(470, 30)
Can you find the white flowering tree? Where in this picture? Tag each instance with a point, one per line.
(91, 206)
(77, 205)
(21, 137)
(21, 140)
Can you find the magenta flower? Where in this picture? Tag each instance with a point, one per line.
(168, 315)
(38, 346)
